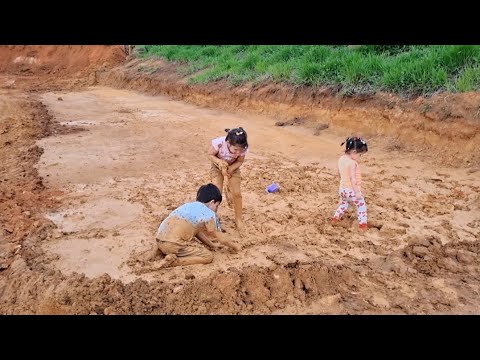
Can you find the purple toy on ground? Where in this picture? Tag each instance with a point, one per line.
(273, 188)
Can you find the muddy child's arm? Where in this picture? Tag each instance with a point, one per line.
(221, 239)
(236, 164)
(212, 154)
(353, 180)
(204, 239)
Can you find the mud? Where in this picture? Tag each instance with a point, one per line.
(86, 181)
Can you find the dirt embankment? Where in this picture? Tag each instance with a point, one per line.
(49, 67)
(446, 123)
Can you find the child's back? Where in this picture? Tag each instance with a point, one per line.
(344, 164)
(186, 221)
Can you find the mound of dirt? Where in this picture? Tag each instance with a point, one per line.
(430, 257)
(37, 68)
(23, 196)
(58, 60)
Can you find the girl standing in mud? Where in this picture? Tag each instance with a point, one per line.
(227, 154)
(350, 190)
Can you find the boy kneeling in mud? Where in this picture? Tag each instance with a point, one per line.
(177, 234)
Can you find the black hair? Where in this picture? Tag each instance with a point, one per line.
(355, 143)
(209, 192)
(237, 136)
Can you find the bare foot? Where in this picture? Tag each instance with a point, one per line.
(151, 254)
(168, 261)
(143, 257)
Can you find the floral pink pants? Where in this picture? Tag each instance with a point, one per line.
(347, 197)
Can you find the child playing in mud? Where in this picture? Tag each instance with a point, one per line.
(350, 181)
(177, 234)
(227, 155)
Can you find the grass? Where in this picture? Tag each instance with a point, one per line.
(419, 69)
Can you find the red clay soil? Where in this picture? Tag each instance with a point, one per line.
(422, 276)
(38, 68)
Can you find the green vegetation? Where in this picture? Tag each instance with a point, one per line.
(398, 68)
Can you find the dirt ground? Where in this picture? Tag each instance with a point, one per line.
(96, 156)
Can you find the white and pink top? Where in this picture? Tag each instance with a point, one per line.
(223, 152)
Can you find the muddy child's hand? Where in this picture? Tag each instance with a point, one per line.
(223, 164)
